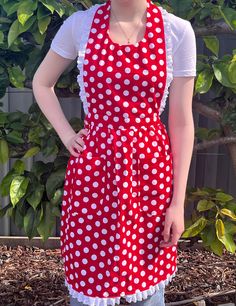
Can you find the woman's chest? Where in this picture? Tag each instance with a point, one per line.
(138, 65)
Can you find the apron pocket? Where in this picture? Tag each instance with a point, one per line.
(156, 184)
(88, 184)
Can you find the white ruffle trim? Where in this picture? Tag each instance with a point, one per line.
(169, 57)
(132, 298)
(84, 35)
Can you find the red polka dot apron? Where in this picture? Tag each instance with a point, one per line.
(118, 189)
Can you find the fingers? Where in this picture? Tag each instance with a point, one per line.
(83, 132)
(174, 237)
(77, 143)
(74, 153)
(170, 234)
(166, 232)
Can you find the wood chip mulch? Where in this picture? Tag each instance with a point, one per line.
(30, 276)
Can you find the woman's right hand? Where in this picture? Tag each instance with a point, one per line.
(76, 143)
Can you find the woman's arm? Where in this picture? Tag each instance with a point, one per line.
(44, 80)
(181, 132)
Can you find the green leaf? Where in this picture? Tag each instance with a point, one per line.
(52, 6)
(6, 183)
(19, 166)
(57, 197)
(14, 32)
(1, 37)
(3, 118)
(14, 116)
(56, 211)
(4, 81)
(36, 196)
(212, 43)
(26, 10)
(232, 72)
(16, 76)
(195, 228)
(220, 229)
(200, 192)
(87, 3)
(15, 137)
(31, 152)
(54, 181)
(223, 197)
(229, 16)
(228, 213)
(49, 147)
(39, 38)
(217, 246)
(5, 20)
(204, 205)
(47, 222)
(229, 243)
(69, 8)
(4, 151)
(42, 11)
(43, 24)
(17, 28)
(10, 212)
(231, 205)
(16, 126)
(39, 168)
(31, 221)
(225, 238)
(221, 71)
(18, 188)
(60, 162)
(204, 81)
(210, 239)
(204, 13)
(19, 216)
(179, 6)
(193, 12)
(35, 133)
(230, 228)
(10, 7)
(4, 210)
(48, 6)
(34, 58)
(208, 234)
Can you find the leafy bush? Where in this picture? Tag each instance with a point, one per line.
(213, 220)
(35, 195)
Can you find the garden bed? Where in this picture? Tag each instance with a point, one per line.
(34, 276)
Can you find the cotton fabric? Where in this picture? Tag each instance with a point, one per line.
(117, 191)
(66, 42)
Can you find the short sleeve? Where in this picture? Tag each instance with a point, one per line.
(63, 42)
(185, 53)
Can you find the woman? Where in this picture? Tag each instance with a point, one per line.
(123, 202)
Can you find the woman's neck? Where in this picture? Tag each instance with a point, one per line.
(128, 10)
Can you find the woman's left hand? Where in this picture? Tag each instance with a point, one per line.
(174, 225)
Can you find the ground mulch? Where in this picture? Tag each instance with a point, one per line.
(30, 276)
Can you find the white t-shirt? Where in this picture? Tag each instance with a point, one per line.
(66, 42)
